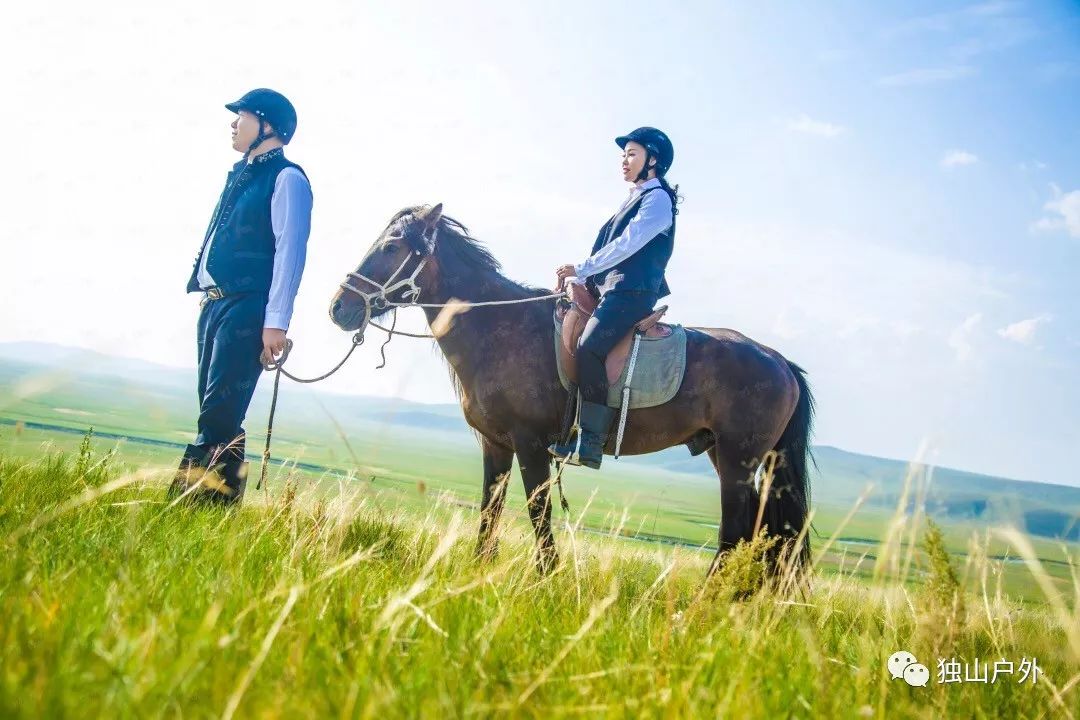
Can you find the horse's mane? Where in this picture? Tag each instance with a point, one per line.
(457, 248)
(460, 255)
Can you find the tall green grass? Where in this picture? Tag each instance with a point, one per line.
(115, 603)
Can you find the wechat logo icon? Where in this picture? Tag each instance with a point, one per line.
(903, 664)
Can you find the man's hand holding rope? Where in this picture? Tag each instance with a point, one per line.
(273, 340)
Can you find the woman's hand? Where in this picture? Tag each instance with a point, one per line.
(562, 273)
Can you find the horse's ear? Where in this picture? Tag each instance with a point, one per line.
(432, 216)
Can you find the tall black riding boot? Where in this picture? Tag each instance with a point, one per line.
(193, 465)
(234, 473)
(595, 421)
(231, 474)
(214, 474)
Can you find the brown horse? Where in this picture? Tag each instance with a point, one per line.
(739, 400)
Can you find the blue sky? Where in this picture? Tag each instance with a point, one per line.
(888, 194)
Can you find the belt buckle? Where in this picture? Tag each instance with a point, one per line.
(214, 293)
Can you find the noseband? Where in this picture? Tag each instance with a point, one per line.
(379, 298)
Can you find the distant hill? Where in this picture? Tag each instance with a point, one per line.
(60, 357)
(841, 477)
(22, 358)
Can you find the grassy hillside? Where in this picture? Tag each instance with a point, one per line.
(116, 604)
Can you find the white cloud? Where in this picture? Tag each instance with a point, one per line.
(994, 7)
(983, 28)
(805, 124)
(784, 327)
(927, 76)
(958, 158)
(875, 299)
(857, 322)
(960, 337)
(904, 329)
(1023, 331)
(1064, 209)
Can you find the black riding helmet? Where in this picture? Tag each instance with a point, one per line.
(271, 107)
(656, 143)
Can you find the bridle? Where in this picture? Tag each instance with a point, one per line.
(379, 299)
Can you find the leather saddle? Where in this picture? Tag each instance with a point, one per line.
(573, 320)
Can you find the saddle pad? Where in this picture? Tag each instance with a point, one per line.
(658, 374)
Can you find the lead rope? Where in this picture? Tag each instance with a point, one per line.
(389, 337)
(411, 291)
(277, 366)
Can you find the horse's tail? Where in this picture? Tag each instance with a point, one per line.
(790, 501)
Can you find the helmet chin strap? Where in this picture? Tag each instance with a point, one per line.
(644, 174)
(262, 137)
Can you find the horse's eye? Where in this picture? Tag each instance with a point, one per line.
(390, 247)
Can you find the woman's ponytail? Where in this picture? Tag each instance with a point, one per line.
(673, 193)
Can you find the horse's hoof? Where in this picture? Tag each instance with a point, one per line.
(486, 554)
(546, 563)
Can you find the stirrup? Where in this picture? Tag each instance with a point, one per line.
(570, 457)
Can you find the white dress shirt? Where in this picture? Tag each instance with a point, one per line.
(652, 218)
(290, 218)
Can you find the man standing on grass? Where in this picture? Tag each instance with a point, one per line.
(248, 269)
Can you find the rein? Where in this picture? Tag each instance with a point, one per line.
(276, 366)
(379, 301)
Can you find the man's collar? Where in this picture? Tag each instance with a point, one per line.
(268, 155)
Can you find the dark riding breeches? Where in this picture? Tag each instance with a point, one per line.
(230, 341)
(615, 316)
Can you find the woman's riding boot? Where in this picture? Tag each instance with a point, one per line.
(595, 427)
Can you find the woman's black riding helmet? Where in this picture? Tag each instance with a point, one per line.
(656, 143)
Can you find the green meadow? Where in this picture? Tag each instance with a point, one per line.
(356, 604)
(347, 587)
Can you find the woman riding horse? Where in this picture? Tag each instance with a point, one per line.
(626, 271)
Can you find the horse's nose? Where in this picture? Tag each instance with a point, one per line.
(335, 307)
